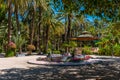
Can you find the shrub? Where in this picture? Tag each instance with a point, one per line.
(31, 47)
(56, 52)
(106, 50)
(0, 50)
(116, 49)
(68, 45)
(10, 53)
(12, 45)
(11, 49)
(86, 50)
(49, 51)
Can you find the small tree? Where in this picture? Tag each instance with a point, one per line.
(69, 45)
(19, 41)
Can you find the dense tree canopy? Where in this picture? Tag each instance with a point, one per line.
(108, 9)
(48, 24)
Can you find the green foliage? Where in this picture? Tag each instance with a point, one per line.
(109, 43)
(56, 52)
(65, 45)
(92, 30)
(0, 50)
(2, 11)
(49, 51)
(110, 49)
(116, 49)
(72, 44)
(69, 44)
(10, 53)
(86, 50)
(105, 46)
(90, 7)
(19, 41)
(50, 44)
(48, 27)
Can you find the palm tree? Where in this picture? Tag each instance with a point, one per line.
(41, 5)
(50, 24)
(67, 12)
(17, 14)
(9, 20)
(33, 17)
(47, 24)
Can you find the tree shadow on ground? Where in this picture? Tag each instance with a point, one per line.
(85, 72)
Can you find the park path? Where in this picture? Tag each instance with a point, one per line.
(17, 62)
(17, 68)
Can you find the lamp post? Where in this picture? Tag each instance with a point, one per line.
(19, 42)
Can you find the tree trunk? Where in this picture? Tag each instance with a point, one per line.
(65, 37)
(9, 20)
(18, 25)
(17, 20)
(43, 38)
(20, 50)
(69, 28)
(58, 48)
(47, 38)
(32, 27)
(39, 29)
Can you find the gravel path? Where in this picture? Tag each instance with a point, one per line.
(17, 68)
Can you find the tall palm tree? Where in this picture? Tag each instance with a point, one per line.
(34, 5)
(9, 20)
(41, 5)
(17, 14)
(50, 24)
(33, 17)
(68, 9)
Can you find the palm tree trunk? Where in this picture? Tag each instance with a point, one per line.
(58, 47)
(69, 28)
(43, 38)
(47, 38)
(17, 20)
(9, 20)
(30, 32)
(32, 27)
(39, 29)
(20, 50)
(65, 37)
(18, 25)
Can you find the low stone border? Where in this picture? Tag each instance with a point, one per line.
(85, 62)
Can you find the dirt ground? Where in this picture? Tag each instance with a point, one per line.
(17, 68)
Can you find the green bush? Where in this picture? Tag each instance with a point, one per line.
(10, 53)
(0, 50)
(87, 50)
(106, 50)
(72, 44)
(49, 51)
(56, 52)
(116, 49)
(69, 44)
(101, 51)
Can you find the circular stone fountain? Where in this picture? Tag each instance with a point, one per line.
(60, 60)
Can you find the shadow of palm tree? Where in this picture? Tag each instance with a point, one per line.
(85, 72)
